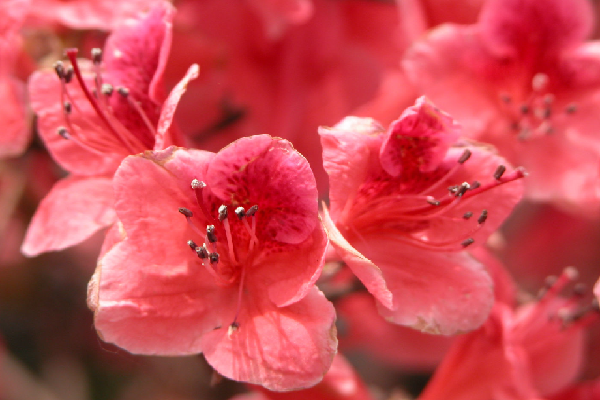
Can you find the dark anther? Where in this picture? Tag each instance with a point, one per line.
(123, 91)
(186, 212)
(524, 109)
(192, 244)
(505, 98)
(475, 184)
(59, 67)
(467, 215)
(433, 201)
(210, 233)
(453, 189)
(69, 74)
(107, 89)
(62, 131)
(571, 108)
(240, 212)
(462, 189)
(234, 325)
(580, 289)
(482, 217)
(499, 172)
(202, 252)
(465, 156)
(467, 242)
(251, 211)
(67, 107)
(196, 184)
(96, 56)
(222, 212)
(214, 257)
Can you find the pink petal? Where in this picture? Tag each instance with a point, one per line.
(276, 177)
(162, 139)
(282, 349)
(165, 177)
(348, 152)
(419, 139)
(85, 14)
(453, 60)
(435, 292)
(278, 14)
(145, 308)
(75, 208)
(44, 93)
(289, 276)
(135, 55)
(530, 28)
(364, 269)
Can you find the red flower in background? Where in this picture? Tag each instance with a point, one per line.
(524, 80)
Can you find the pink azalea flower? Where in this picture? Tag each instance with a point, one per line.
(528, 353)
(14, 117)
(244, 293)
(404, 204)
(95, 114)
(523, 79)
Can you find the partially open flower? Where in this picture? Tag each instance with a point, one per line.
(405, 202)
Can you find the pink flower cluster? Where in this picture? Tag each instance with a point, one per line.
(271, 177)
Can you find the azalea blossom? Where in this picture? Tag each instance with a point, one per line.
(218, 254)
(405, 202)
(92, 114)
(528, 352)
(523, 79)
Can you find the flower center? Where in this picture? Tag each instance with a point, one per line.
(535, 116)
(119, 139)
(229, 243)
(416, 213)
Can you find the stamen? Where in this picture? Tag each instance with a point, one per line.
(107, 89)
(539, 81)
(467, 215)
(133, 148)
(432, 201)
(64, 133)
(467, 242)
(202, 252)
(213, 257)
(235, 325)
(222, 212)
(186, 212)
(59, 68)
(499, 172)
(462, 189)
(240, 212)
(483, 217)
(192, 244)
(96, 56)
(198, 187)
(227, 226)
(67, 107)
(465, 156)
(68, 75)
(571, 108)
(210, 234)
